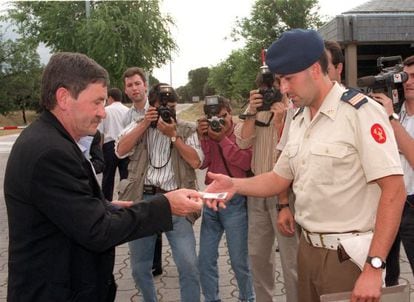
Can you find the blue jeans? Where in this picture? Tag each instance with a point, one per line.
(183, 243)
(232, 220)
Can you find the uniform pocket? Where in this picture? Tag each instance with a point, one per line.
(324, 158)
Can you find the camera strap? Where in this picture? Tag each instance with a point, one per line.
(263, 124)
(224, 161)
(149, 155)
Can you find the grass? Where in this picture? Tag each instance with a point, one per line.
(193, 113)
(15, 119)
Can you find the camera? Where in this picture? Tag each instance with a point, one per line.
(211, 110)
(166, 95)
(389, 80)
(270, 94)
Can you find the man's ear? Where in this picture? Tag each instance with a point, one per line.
(63, 97)
(340, 67)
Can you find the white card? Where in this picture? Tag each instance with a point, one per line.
(208, 195)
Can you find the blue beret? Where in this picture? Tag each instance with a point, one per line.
(294, 51)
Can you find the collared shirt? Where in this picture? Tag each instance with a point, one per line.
(112, 125)
(134, 114)
(264, 143)
(237, 159)
(407, 121)
(334, 160)
(84, 145)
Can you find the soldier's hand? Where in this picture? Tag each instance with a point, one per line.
(286, 222)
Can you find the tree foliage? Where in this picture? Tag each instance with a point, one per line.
(234, 77)
(116, 34)
(197, 79)
(20, 76)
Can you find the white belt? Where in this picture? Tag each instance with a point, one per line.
(329, 240)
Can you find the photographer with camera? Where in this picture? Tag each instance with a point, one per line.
(261, 130)
(163, 153)
(222, 155)
(403, 126)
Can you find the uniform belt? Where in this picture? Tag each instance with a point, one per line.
(328, 240)
(152, 190)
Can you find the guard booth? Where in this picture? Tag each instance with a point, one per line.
(377, 28)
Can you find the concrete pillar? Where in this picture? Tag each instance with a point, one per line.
(351, 66)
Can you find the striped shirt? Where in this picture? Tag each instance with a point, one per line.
(160, 172)
(407, 121)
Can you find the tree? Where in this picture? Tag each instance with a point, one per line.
(117, 34)
(198, 78)
(20, 77)
(268, 20)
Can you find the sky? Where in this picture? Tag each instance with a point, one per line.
(203, 26)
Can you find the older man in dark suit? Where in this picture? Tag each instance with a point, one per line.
(62, 230)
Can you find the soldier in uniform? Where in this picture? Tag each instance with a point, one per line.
(342, 159)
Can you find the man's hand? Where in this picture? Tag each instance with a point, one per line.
(279, 111)
(286, 222)
(255, 101)
(384, 101)
(368, 286)
(202, 127)
(184, 201)
(221, 183)
(151, 115)
(168, 129)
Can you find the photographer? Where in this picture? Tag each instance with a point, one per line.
(261, 130)
(163, 153)
(403, 126)
(222, 155)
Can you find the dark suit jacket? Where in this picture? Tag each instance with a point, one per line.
(62, 231)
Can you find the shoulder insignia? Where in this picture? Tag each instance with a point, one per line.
(299, 111)
(354, 97)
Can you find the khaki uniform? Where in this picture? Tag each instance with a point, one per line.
(334, 160)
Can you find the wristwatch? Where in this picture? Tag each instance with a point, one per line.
(279, 206)
(173, 139)
(376, 262)
(394, 116)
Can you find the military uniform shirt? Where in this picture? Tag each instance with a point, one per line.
(334, 160)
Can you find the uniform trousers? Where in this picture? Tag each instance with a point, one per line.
(262, 217)
(320, 272)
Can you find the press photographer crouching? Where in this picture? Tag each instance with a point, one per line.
(403, 126)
